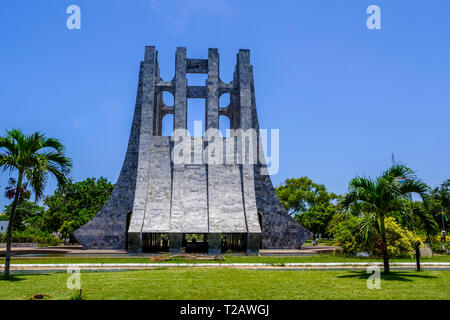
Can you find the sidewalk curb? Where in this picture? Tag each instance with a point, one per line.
(222, 265)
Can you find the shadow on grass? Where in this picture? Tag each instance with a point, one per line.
(12, 278)
(15, 277)
(392, 276)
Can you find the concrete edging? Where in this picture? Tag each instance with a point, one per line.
(312, 264)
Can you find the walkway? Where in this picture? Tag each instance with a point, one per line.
(253, 266)
(78, 251)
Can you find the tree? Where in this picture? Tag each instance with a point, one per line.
(310, 203)
(317, 218)
(74, 204)
(439, 203)
(26, 213)
(381, 197)
(422, 220)
(34, 157)
(10, 190)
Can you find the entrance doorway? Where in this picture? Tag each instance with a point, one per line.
(155, 242)
(234, 242)
(195, 242)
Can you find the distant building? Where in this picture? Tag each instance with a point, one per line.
(3, 226)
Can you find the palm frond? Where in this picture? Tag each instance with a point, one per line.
(369, 225)
(429, 224)
(36, 156)
(54, 144)
(416, 186)
(8, 162)
(360, 189)
(58, 159)
(8, 144)
(399, 170)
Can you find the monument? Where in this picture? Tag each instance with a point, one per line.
(219, 205)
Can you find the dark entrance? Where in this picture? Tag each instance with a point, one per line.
(195, 242)
(155, 242)
(234, 242)
(127, 227)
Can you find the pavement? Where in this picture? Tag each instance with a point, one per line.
(252, 266)
(305, 250)
(78, 251)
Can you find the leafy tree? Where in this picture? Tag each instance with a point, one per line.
(439, 202)
(34, 157)
(10, 190)
(74, 204)
(317, 218)
(26, 212)
(310, 203)
(381, 197)
(419, 220)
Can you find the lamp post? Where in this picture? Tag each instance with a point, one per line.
(418, 255)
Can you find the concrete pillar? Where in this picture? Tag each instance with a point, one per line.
(212, 99)
(148, 68)
(245, 94)
(135, 242)
(253, 243)
(175, 242)
(180, 116)
(247, 152)
(214, 243)
(180, 124)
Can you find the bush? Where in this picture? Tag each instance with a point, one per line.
(436, 245)
(30, 236)
(348, 236)
(400, 240)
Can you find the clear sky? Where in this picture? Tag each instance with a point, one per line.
(344, 97)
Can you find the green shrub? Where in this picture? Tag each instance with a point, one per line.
(31, 236)
(348, 236)
(400, 240)
(436, 246)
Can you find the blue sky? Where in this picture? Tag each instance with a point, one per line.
(344, 97)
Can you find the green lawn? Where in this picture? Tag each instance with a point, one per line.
(225, 283)
(228, 259)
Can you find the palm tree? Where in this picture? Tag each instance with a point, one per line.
(379, 197)
(35, 157)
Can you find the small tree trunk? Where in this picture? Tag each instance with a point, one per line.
(10, 227)
(385, 251)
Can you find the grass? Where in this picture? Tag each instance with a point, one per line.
(228, 259)
(225, 283)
